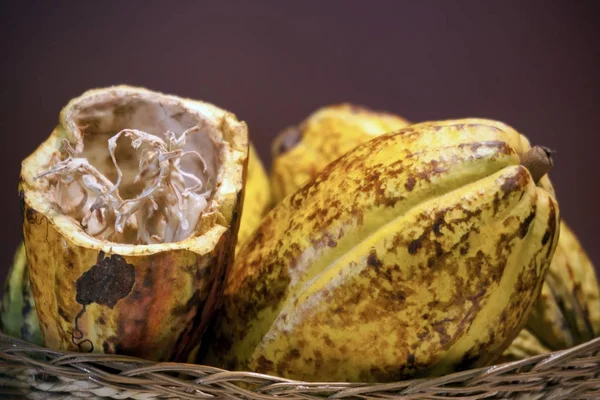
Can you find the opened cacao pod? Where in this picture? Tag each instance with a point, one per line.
(131, 211)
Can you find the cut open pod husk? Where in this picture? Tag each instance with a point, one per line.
(131, 211)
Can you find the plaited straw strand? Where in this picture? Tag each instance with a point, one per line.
(33, 372)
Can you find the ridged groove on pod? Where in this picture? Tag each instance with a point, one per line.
(131, 210)
(548, 322)
(417, 253)
(300, 152)
(568, 311)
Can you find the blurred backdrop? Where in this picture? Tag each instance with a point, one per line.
(533, 65)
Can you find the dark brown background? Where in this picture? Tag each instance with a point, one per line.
(531, 64)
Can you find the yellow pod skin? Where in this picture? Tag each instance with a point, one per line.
(417, 253)
(257, 197)
(525, 345)
(568, 311)
(110, 291)
(300, 152)
(547, 320)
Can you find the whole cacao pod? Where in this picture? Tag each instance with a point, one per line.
(419, 252)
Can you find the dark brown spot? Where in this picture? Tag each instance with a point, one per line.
(107, 282)
(524, 227)
(324, 240)
(106, 347)
(439, 251)
(440, 328)
(414, 246)
(398, 296)
(437, 224)
(101, 321)
(551, 224)
(410, 183)
(476, 298)
(372, 260)
(63, 314)
(496, 203)
(515, 182)
(31, 216)
(294, 353)
(503, 317)
(546, 237)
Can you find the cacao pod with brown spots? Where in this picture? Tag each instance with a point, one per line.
(567, 313)
(417, 253)
(300, 152)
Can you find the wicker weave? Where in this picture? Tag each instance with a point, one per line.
(29, 371)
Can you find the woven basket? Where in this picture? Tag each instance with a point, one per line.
(29, 371)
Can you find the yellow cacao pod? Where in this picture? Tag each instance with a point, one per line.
(257, 197)
(300, 152)
(131, 210)
(568, 311)
(525, 345)
(417, 253)
(18, 311)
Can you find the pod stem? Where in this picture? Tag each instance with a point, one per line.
(538, 161)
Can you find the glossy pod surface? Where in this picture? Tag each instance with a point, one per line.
(418, 252)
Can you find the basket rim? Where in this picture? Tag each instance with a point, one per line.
(530, 375)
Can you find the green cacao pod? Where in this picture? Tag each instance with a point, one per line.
(18, 315)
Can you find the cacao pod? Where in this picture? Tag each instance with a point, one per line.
(300, 152)
(17, 310)
(417, 253)
(257, 197)
(568, 310)
(525, 345)
(18, 317)
(128, 242)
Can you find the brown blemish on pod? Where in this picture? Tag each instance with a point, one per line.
(107, 282)
(481, 266)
